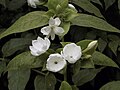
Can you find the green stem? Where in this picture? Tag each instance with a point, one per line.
(65, 73)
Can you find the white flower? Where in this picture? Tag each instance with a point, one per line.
(71, 52)
(53, 28)
(92, 44)
(55, 63)
(39, 46)
(32, 3)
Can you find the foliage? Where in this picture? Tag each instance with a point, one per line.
(88, 28)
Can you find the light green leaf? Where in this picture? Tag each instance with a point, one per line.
(66, 27)
(18, 79)
(88, 6)
(29, 21)
(97, 1)
(101, 59)
(39, 83)
(2, 67)
(83, 43)
(114, 85)
(94, 22)
(65, 86)
(74, 87)
(52, 4)
(14, 45)
(108, 3)
(27, 60)
(64, 43)
(84, 76)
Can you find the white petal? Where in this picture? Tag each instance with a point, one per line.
(57, 21)
(71, 6)
(92, 44)
(46, 30)
(31, 3)
(52, 34)
(58, 30)
(72, 52)
(34, 51)
(55, 63)
(37, 45)
(51, 22)
(47, 43)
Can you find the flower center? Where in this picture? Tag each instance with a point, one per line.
(71, 56)
(55, 62)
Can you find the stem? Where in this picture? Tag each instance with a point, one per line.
(39, 72)
(65, 73)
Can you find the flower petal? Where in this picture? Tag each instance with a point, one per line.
(57, 21)
(46, 30)
(31, 3)
(34, 51)
(47, 41)
(36, 45)
(51, 21)
(55, 63)
(52, 34)
(58, 30)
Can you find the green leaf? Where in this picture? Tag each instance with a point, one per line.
(97, 1)
(114, 85)
(94, 22)
(14, 4)
(108, 3)
(65, 86)
(14, 45)
(50, 81)
(113, 45)
(74, 87)
(2, 67)
(119, 5)
(88, 63)
(39, 82)
(83, 43)
(29, 21)
(27, 60)
(3, 2)
(66, 27)
(64, 43)
(101, 59)
(18, 79)
(84, 76)
(88, 6)
(101, 44)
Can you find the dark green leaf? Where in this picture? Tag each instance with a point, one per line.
(65, 86)
(108, 3)
(94, 22)
(29, 21)
(101, 44)
(101, 59)
(40, 82)
(18, 79)
(88, 63)
(84, 76)
(2, 67)
(114, 85)
(88, 6)
(14, 45)
(50, 81)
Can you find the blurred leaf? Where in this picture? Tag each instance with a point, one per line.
(18, 79)
(91, 35)
(84, 76)
(108, 3)
(76, 66)
(14, 45)
(113, 45)
(88, 6)
(65, 86)
(26, 60)
(64, 43)
(83, 43)
(50, 81)
(113, 37)
(14, 4)
(39, 82)
(119, 5)
(101, 59)
(94, 22)
(114, 85)
(101, 44)
(29, 21)
(74, 87)
(3, 2)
